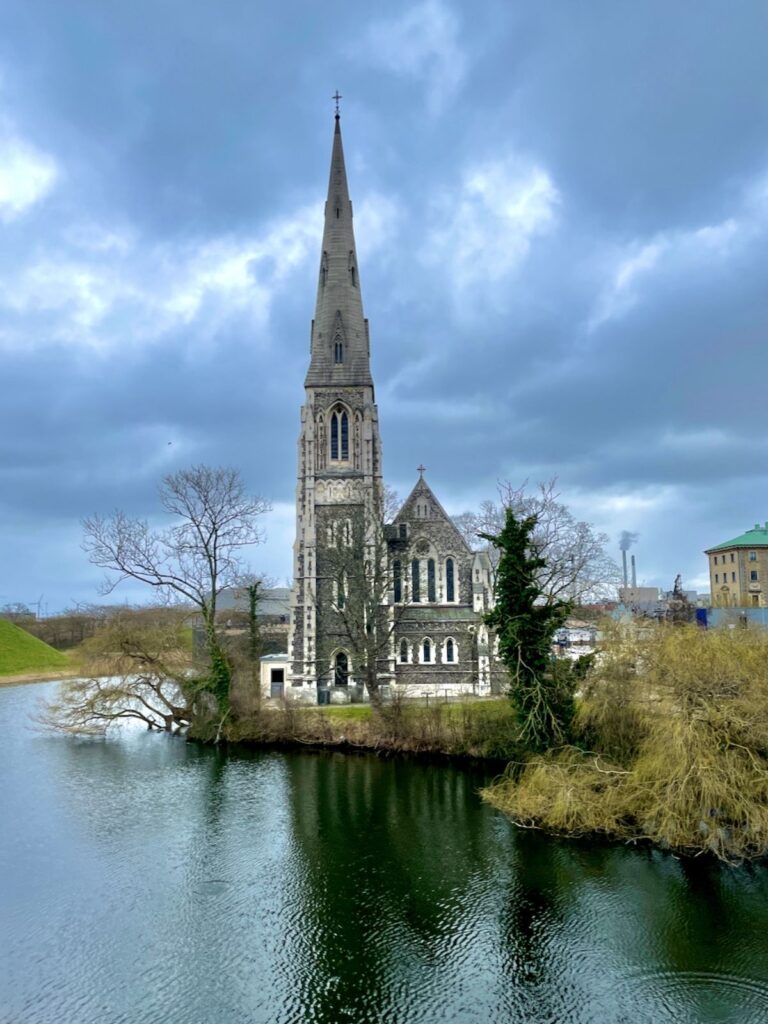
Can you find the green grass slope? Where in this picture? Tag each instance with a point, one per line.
(21, 652)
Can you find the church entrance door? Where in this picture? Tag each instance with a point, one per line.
(277, 682)
(341, 669)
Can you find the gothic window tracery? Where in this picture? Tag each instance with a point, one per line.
(339, 435)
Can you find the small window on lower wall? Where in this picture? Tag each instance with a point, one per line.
(449, 651)
(426, 651)
(403, 652)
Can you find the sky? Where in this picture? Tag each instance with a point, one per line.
(561, 214)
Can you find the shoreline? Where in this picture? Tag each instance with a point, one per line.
(26, 678)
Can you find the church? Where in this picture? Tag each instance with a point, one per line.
(395, 607)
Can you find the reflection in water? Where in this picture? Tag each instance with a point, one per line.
(146, 880)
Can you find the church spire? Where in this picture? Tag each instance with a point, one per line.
(339, 330)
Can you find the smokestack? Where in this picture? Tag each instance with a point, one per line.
(634, 573)
(626, 540)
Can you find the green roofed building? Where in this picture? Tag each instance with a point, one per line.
(738, 570)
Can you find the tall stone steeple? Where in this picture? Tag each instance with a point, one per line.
(339, 319)
(339, 488)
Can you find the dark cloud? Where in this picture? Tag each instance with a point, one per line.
(563, 222)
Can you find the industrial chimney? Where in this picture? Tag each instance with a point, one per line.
(624, 560)
(634, 573)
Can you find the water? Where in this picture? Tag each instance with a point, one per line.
(144, 880)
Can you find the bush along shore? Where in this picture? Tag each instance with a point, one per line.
(669, 745)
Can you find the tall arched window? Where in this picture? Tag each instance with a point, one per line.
(431, 596)
(450, 653)
(341, 669)
(415, 580)
(426, 651)
(450, 588)
(403, 652)
(341, 591)
(397, 573)
(338, 351)
(339, 435)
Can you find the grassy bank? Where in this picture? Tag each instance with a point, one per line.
(482, 729)
(24, 656)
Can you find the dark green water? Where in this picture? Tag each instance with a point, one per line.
(146, 880)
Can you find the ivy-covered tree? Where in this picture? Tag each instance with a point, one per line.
(541, 693)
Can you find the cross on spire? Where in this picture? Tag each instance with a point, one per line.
(421, 471)
(337, 96)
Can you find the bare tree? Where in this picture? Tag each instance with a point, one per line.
(191, 561)
(576, 568)
(360, 583)
(135, 670)
(391, 503)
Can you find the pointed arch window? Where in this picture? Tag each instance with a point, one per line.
(341, 669)
(415, 580)
(340, 589)
(338, 351)
(426, 651)
(397, 574)
(450, 650)
(431, 595)
(339, 436)
(450, 586)
(403, 652)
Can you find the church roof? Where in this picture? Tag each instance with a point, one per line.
(339, 317)
(408, 511)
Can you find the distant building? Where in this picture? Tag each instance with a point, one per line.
(273, 606)
(738, 570)
(574, 639)
(642, 600)
(273, 614)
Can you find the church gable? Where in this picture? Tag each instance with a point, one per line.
(422, 509)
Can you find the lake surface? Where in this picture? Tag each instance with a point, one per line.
(143, 879)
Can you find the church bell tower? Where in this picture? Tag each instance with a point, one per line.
(339, 488)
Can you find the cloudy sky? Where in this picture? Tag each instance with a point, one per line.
(562, 224)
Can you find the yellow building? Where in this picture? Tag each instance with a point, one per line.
(738, 570)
